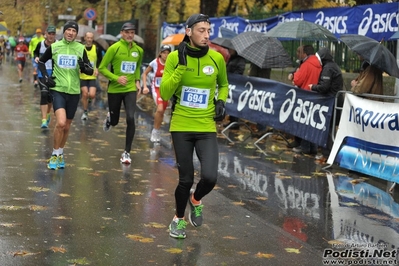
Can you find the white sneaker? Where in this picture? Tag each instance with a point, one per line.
(155, 135)
(84, 116)
(125, 158)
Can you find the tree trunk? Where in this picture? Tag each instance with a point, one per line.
(209, 7)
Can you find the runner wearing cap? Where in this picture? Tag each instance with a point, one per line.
(125, 58)
(69, 59)
(192, 76)
(45, 97)
(157, 67)
(32, 46)
(21, 51)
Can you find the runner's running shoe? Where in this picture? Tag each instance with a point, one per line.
(125, 158)
(44, 124)
(195, 215)
(177, 228)
(48, 118)
(107, 123)
(53, 162)
(60, 161)
(155, 136)
(84, 116)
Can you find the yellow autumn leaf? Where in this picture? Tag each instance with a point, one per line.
(293, 250)
(242, 252)
(38, 189)
(174, 250)
(305, 176)
(155, 225)
(81, 261)
(37, 208)
(238, 203)
(24, 253)
(11, 207)
(335, 242)
(229, 237)
(135, 193)
(85, 169)
(231, 186)
(61, 218)
(58, 249)
(106, 218)
(264, 255)
(96, 159)
(140, 238)
(261, 198)
(64, 195)
(9, 225)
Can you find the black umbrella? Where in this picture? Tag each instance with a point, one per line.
(224, 42)
(263, 51)
(373, 52)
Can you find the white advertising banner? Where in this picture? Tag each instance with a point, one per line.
(367, 140)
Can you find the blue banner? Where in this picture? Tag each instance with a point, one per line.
(377, 21)
(295, 111)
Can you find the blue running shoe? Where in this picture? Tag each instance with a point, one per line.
(44, 124)
(60, 161)
(48, 118)
(53, 162)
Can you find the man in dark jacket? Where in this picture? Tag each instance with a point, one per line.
(330, 82)
(236, 65)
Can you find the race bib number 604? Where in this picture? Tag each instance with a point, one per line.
(194, 97)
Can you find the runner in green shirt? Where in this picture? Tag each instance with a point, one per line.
(193, 75)
(69, 59)
(125, 58)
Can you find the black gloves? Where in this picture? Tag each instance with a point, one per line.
(49, 82)
(81, 64)
(219, 110)
(182, 52)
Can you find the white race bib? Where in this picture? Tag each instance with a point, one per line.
(194, 97)
(67, 61)
(128, 67)
(158, 81)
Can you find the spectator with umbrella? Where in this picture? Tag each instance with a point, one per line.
(377, 59)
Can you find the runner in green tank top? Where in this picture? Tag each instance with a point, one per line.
(193, 76)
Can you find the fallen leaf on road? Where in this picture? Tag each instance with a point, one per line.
(9, 225)
(136, 193)
(37, 208)
(82, 261)
(24, 253)
(155, 225)
(64, 195)
(58, 249)
(230, 237)
(293, 250)
(61, 218)
(238, 203)
(174, 250)
(264, 255)
(261, 198)
(38, 189)
(139, 238)
(242, 252)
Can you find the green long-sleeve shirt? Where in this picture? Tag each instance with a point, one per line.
(194, 87)
(125, 60)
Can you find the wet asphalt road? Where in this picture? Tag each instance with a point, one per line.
(274, 209)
